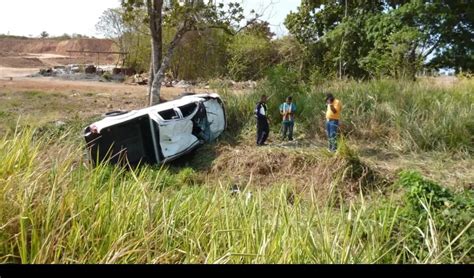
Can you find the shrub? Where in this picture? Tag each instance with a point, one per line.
(434, 217)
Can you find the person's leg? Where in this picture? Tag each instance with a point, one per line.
(291, 125)
(332, 133)
(328, 133)
(336, 132)
(283, 130)
(266, 131)
(259, 131)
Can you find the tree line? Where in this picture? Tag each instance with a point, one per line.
(356, 39)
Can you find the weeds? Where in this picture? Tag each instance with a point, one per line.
(59, 210)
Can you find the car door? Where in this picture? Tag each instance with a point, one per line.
(175, 133)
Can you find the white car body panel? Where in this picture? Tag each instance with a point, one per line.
(174, 135)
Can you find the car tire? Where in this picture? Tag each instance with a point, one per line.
(115, 113)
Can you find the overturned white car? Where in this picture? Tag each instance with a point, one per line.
(156, 134)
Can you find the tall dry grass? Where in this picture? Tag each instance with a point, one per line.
(55, 208)
(404, 116)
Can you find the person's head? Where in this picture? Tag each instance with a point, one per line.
(329, 98)
(289, 100)
(263, 98)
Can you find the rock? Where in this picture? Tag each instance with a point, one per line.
(59, 123)
(182, 84)
(248, 196)
(110, 106)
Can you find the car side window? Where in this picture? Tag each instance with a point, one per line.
(169, 114)
(188, 109)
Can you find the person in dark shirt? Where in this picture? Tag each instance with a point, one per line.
(262, 121)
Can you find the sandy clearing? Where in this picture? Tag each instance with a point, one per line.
(49, 84)
(46, 55)
(7, 72)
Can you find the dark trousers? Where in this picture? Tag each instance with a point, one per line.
(287, 128)
(332, 127)
(262, 130)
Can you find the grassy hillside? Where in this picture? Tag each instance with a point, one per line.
(296, 203)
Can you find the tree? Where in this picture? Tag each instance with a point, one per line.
(251, 52)
(292, 54)
(385, 37)
(44, 35)
(130, 36)
(194, 15)
(200, 54)
(333, 32)
(112, 26)
(260, 29)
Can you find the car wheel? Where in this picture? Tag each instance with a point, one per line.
(115, 113)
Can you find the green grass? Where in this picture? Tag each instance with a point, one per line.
(54, 208)
(404, 116)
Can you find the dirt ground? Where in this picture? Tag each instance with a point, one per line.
(10, 61)
(8, 72)
(120, 95)
(86, 97)
(15, 69)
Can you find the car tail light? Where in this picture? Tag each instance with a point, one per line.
(94, 129)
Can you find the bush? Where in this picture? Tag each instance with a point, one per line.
(448, 216)
(107, 76)
(250, 56)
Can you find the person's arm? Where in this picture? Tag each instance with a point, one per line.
(331, 106)
(259, 115)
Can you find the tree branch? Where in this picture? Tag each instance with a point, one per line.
(431, 49)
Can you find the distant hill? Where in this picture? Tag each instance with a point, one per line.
(20, 45)
(22, 52)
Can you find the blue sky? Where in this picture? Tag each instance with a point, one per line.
(31, 17)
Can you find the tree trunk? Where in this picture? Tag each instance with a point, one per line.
(412, 64)
(160, 75)
(150, 80)
(154, 8)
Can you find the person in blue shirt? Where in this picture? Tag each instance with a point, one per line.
(263, 128)
(287, 111)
